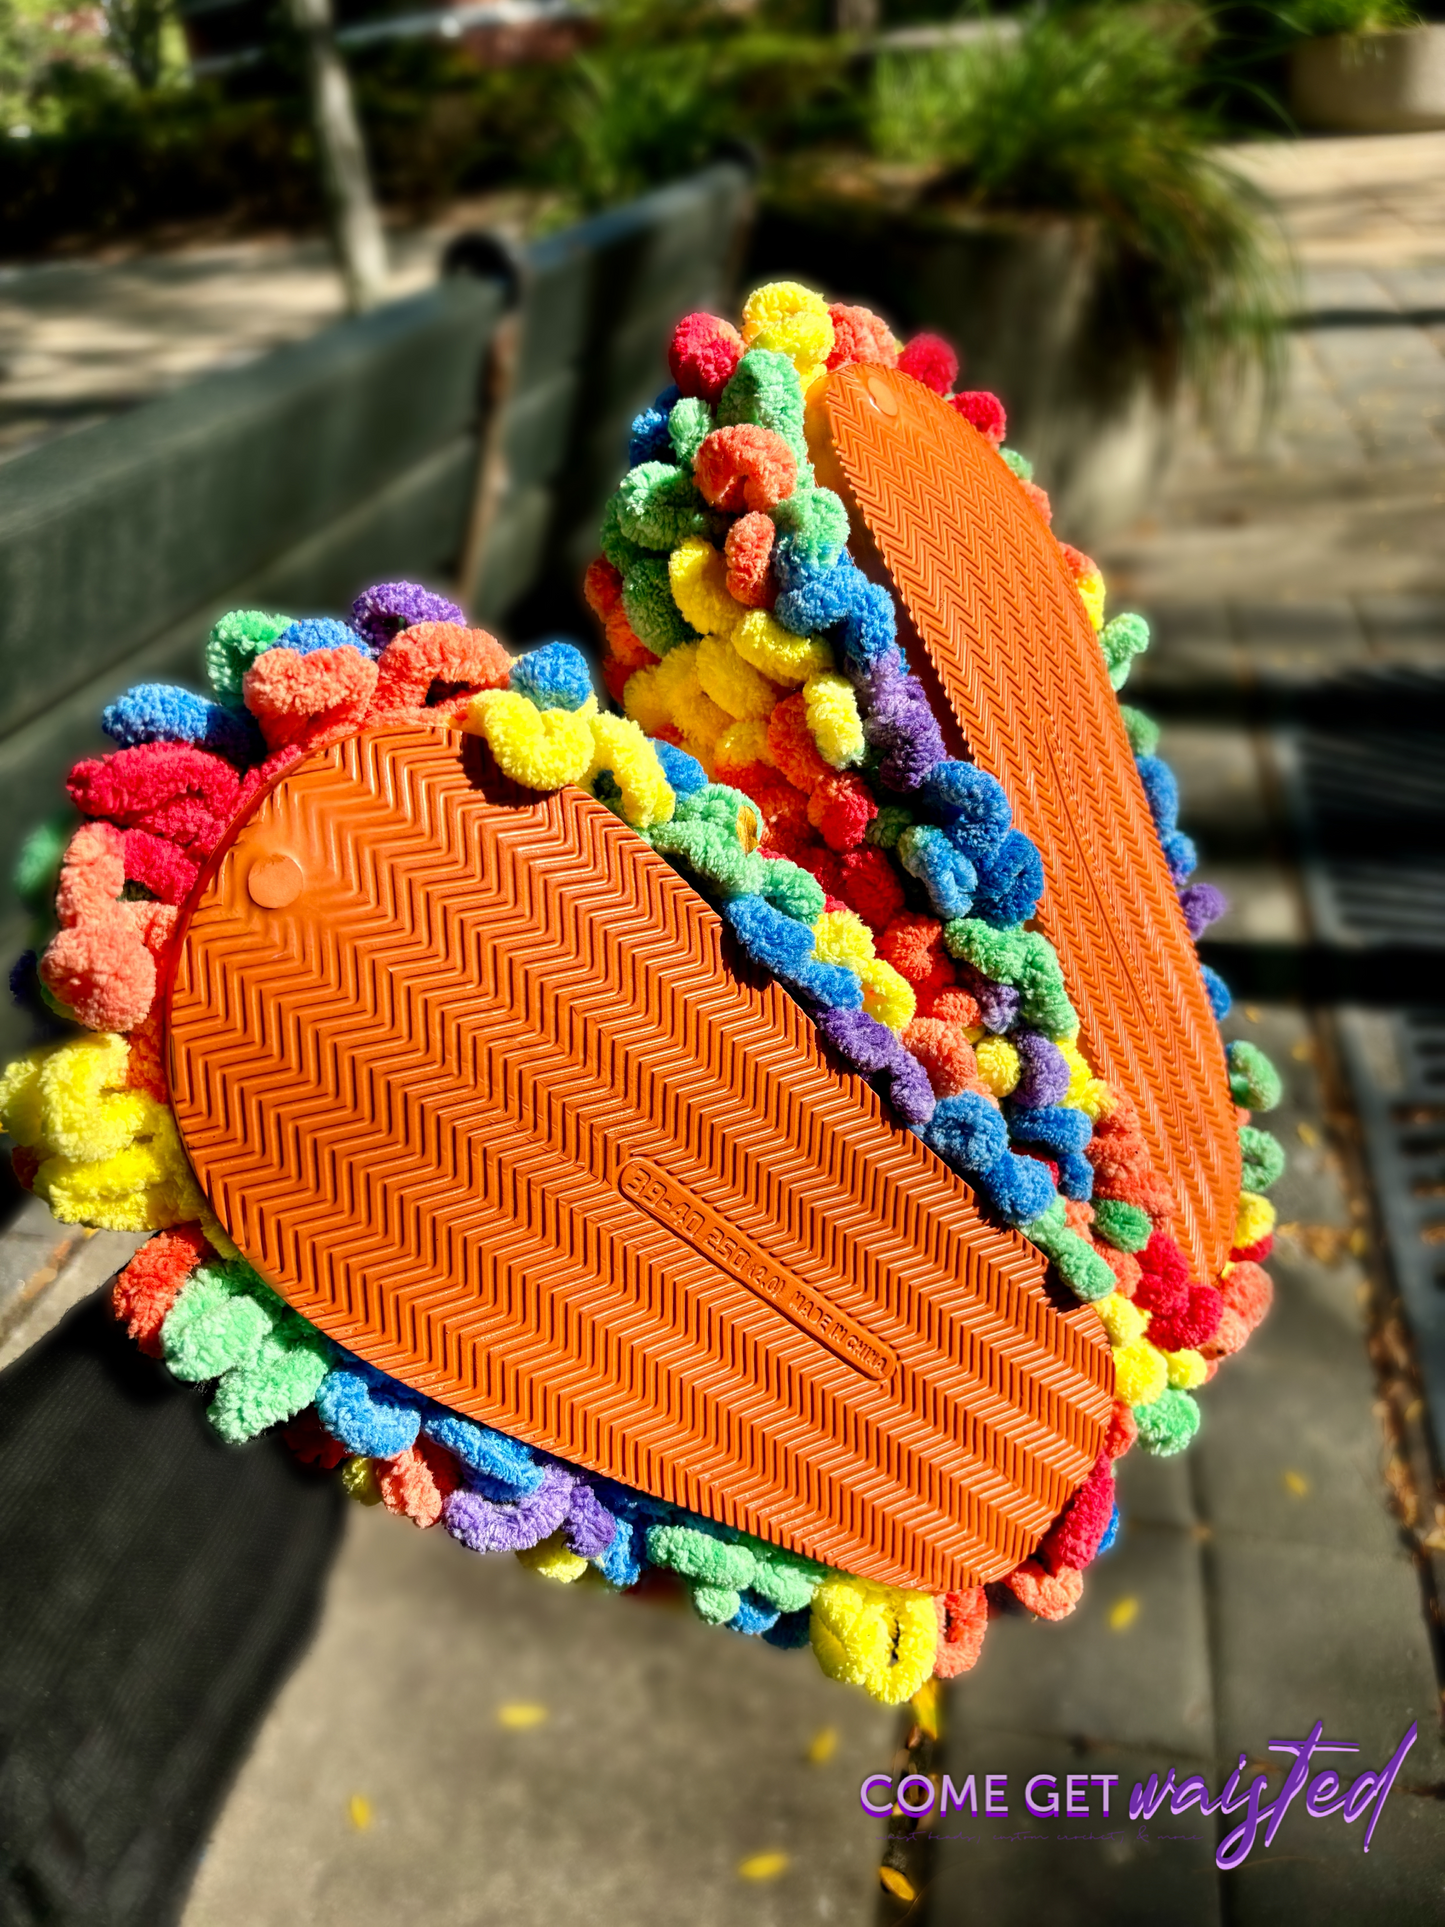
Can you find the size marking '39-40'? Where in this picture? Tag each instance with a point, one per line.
(648, 1185)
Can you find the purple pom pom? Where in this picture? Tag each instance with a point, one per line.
(383, 612)
(872, 1049)
(1202, 904)
(1044, 1074)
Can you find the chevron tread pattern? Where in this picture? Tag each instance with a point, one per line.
(1021, 670)
(410, 1095)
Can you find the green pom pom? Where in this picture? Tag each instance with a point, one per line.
(659, 506)
(717, 803)
(1020, 464)
(794, 891)
(687, 426)
(1043, 1000)
(698, 1555)
(716, 1604)
(887, 826)
(219, 1320)
(714, 856)
(621, 551)
(280, 1380)
(647, 598)
(1000, 954)
(1167, 1426)
(1142, 730)
(1124, 1226)
(1121, 640)
(817, 521)
(234, 644)
(785, 1579)
(1263, 1156)
(37, 868)
(765, 389)
(1075, 1260)
(1253, 1080)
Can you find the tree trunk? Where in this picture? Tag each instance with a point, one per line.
(355, 224)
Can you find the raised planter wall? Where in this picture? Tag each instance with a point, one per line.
(1377, 83)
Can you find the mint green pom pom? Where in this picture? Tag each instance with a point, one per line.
(1167, 1426)
(621, 551)
(817, 521)
(1020, 464)
(793, 890)
(999, 954)
(1124, 1226)
(234, 644)
(1121, 640)
(1043, 1000)
(280, 1380)
(1253, 1080)
(1263, 1156)
(1142, 730)
(218, 1321)
(888, 825)
(715, 1604)
(37, 868)
(688, 426)
(659, 506)
(765, 389)
(1075, 1260)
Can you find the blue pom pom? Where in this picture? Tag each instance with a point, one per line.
(368, 1412)
(971, 804)
(685, 773)
(1076, 1176)
(1111, 1532)
(1180, 854)
(1052, 1126)
(791, 1630)
(1218, 992)
(945, 872)
(622, 1563)
(967, 1132)
(1019, 1189)
(1010, 883)
(814, 598)
(867, 635)
(155, 712)
(785, 947)
(1161, 791)
(667, 399)
(553, 677)
(485, 1454)
(320, 632)
(650, 441)
(753, 1615)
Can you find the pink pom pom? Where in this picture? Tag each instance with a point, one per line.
(748, 550)
(985, 411)
(930, 359)
(703, 354)
(861, 335)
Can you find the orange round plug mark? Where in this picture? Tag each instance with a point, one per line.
(274, 881)
(884, 399)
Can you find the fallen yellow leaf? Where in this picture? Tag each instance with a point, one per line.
(897, 1884)
(521, 1713)
(763, 1866)
(926, 1709)
(1307, 1134)
(1251, 1011)
(1297, 1483)
(1303, 1051)
(1123, 1613)
(822, 1746)
(358, 1811)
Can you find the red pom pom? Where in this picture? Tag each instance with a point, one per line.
(703, 353)
(1188, 1326)
(825, 868)
(748, 551)
(1050, 1595)
(1076, 562)
(151, 1283)
(1164, 1286)
(930, 359)
(840, 808)
(985, 411)
(1254, 1254)
(913, 945)
(861, 335)
(602, 586)
(1122, 1432)
(310, 1441)
(870, 887)
(962, 1623)
(1074, 1540)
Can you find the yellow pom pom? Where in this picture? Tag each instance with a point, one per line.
(842, 937)
(811, 378)
(763, 641)
(20, 1108)
(998, 1065)
(620, 747)
(1091, 589)
(734, 685)
(791, 320)
(1186, 1370)
(358, 1481)
(889, 998)
(1086, 1093)
(645, 701)
(878, 1637)
(87, 1113)
(743, 743)
(833, 719)
(1123, 1319)
(1140, 1373)
(539, 748)
(697, 576)
(553, 1559)
(1255, 1220)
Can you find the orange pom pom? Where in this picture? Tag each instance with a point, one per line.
(602, 587)
(745, 467)
(840, 808)
(1050, 1595)
(962, 1623)
(151, 1283)
(861, 335)
(944, 1052)
(748, 551)
(791, 743)
(869, 885)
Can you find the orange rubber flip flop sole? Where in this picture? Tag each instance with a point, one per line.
(478, 1082)
(1020, 672)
